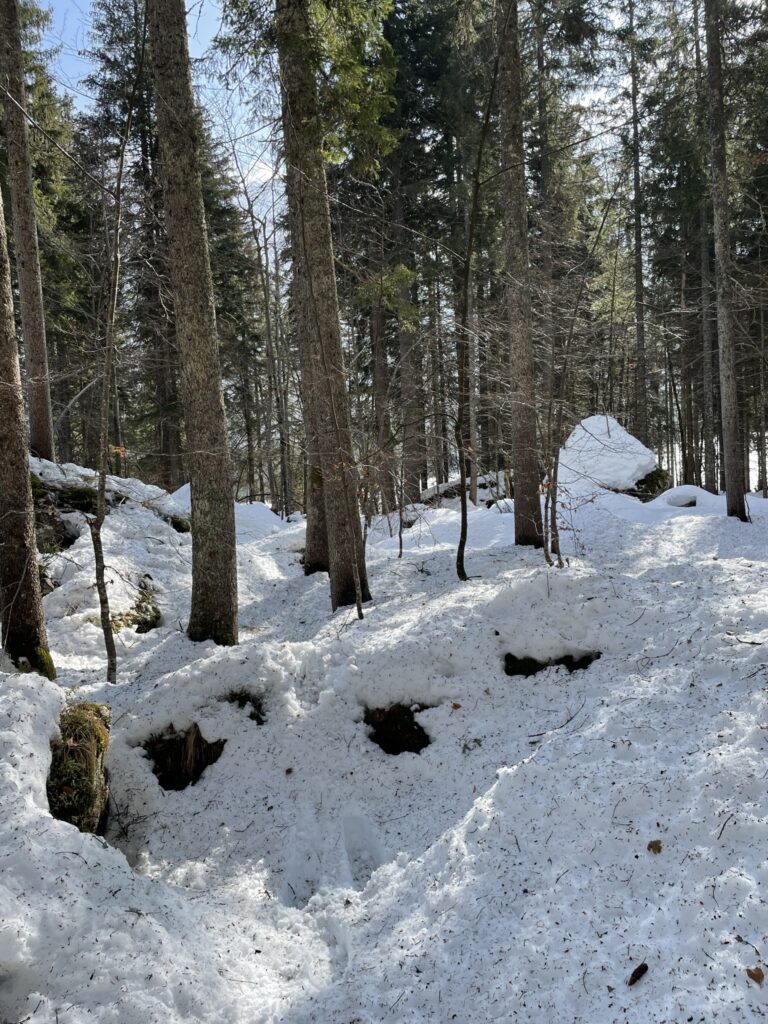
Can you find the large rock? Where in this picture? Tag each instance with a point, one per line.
(601, 453)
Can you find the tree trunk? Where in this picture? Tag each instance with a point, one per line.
(21, 611)
(384, 467)
(214, 556)
(528, 524)
(729, 404)
(641, 374)
(25, 234)
(317, 312)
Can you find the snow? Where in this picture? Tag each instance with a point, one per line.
(252, 520)
(503, 873)
(600, 452)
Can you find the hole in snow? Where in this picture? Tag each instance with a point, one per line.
(527, 666)
(180, 758)
(395, 728)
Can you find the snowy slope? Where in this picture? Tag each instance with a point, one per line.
(502, 874)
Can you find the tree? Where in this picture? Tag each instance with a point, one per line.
(316, 308)
(213, 613)
(21, 610)
(25, 232)
(528, 524)
(729, 402)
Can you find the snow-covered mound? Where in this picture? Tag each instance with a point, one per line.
(252, 520)
(601, 453)
(558, 831)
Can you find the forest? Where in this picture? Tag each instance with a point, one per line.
(383, 511)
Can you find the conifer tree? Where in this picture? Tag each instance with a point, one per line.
(214, 555)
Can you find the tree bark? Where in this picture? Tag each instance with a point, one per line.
(213, 613)
(528, 524)
(729, 404)
(641, 373)
(25, 234)
(21, 612)
(317, 310)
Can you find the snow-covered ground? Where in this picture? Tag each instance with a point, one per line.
(503, 874)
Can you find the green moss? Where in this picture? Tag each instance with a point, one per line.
(143, 617)
(44, 663)
(653, 484)
(79, 497)
(180, 524)
(40, 492)
(77, 785)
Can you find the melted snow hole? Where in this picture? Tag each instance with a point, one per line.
(395, 728)
(525, 665)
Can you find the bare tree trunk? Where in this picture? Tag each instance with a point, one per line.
(410, 371)
(641, 373)
(729, 403)
(213, 613)
(528, 524)
(25, 233)
(317, 313)
(707, 324)
(385, 468)
(21, 611)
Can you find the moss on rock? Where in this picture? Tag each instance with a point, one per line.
(78, 790)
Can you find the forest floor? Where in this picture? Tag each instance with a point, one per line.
(560, 830)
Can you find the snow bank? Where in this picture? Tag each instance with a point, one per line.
(600, 452)
(252, 520)
(502, 874)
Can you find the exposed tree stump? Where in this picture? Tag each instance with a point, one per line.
(180, 758)
(78, 788)
(396, 730)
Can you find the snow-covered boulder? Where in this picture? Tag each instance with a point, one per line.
(601, 453)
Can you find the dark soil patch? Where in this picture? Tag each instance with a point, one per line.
(395, 728)
(528, 666)
(180, 758)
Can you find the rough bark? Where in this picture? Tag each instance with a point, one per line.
(641, 373)
(213, 613)
(21, 612)
(411, 372)
(707, 322)
(25, 233)
(317, 311)
(729, 404)
(385, 469)
(528, 524)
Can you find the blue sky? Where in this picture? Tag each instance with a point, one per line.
(71, 24)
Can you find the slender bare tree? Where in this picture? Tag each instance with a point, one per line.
(214, 555)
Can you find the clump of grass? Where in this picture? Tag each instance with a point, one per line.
(78, 791)
(245, 698)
